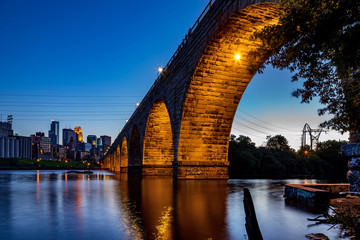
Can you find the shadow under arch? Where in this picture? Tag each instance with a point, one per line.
(215, 90)
(158, 142)
(135, 149)
(124, 156)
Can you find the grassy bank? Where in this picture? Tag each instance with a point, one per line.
(14, 163)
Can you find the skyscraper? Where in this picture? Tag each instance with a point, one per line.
(79, 134)
(91, 139)
(99, 144)
(106, 142)
(68, 135)
(54, 132)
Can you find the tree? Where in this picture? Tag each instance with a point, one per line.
(277, 142)
(245, 142)
(318, 41)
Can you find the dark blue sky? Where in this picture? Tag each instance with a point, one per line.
(58, 59)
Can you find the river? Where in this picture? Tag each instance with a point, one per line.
(59, 205)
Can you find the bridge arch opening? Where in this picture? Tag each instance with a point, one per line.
(135, 148)
(158, 142)
(124, 156)
(216, 87)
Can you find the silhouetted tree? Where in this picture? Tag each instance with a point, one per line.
(277, 142)
(319, 42)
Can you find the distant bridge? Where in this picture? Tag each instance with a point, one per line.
(182, 126)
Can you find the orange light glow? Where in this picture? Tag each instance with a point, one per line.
(237, 56)
(38, 186)
(79, 133)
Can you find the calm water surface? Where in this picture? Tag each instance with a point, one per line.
(61, 205)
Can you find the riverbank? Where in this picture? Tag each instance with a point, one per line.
(27, 164)
(346, 211)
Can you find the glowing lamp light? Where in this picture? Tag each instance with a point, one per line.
(137, 104)
(237, 56)
(160, 69)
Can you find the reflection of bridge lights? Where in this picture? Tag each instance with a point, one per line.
(237, 56)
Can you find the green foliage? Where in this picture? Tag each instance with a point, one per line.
(14, 162)
(277, 142)
(318, 41)
(278, 160)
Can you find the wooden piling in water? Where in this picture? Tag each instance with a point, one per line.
(251, 224)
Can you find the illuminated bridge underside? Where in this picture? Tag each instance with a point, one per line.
(216, 89)
(124, 156)
(158, 146)
(183, 124)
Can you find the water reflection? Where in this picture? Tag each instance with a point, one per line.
(61, 205)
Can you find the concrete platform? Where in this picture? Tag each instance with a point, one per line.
(315, 196)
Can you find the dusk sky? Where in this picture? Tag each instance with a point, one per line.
(87, 63)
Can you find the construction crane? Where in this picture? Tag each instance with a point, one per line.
(314, 135)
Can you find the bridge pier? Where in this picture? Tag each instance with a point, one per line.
(157, 170)
(202, 170)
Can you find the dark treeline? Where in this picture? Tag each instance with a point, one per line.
(278, 160)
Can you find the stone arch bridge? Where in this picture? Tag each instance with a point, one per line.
(182, 126)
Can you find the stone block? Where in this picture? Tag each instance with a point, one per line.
(351, 150)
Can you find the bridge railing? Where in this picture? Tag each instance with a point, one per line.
(191, 30)
(180, 47)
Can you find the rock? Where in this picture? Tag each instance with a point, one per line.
(351, 150)
(316, 236)
(354, 163)
(353, 177)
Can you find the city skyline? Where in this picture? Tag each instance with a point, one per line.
(85, 65)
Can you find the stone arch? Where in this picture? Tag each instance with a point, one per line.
(135, 148)
(124, 156)
(215, 90)
(117, 158)
(158, 142)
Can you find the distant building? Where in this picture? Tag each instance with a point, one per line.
(92, 140)
(85, 147)
(6, 129)
(13, 146)
(79, 134)
(41, 146)
(25, 147)
(68, 134)
(9, 147)
(59, 152)
(99, 144)
(54, 132)
(106, 142)
(44, 142)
